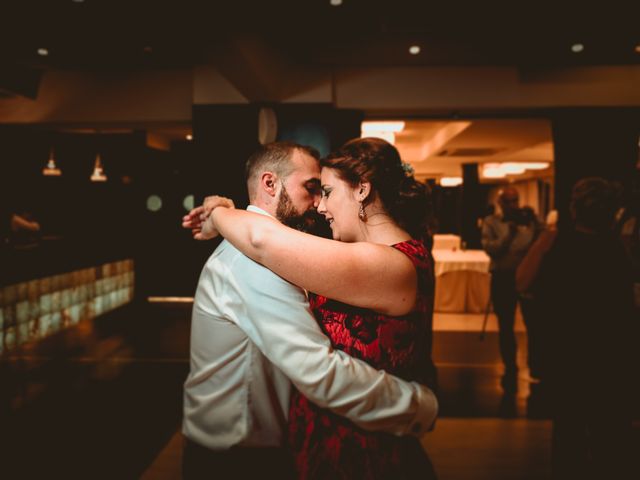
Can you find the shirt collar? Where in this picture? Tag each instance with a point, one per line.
(253, 208)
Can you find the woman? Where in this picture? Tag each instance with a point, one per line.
(373, 297)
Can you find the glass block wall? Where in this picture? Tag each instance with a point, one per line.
(33, 310)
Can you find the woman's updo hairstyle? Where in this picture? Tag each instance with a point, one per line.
(594, 202)
(378, 162)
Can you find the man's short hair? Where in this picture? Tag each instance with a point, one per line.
(508, 190)
(274, 157)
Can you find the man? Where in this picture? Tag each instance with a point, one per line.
(253, 334)
(506, 237)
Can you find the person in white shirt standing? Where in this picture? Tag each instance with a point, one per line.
(506, 237)
(253, 334)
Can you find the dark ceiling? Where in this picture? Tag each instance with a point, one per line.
(116, 34)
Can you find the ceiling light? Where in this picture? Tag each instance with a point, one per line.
(577, 47)
(536, 165)
(43, 52)
(493, 173)
(395, 127)
(513, 168)
(335, 3)
(51, 170)
(189, 137)
(414, 49)
(450, 181)
(98, 173)
(493, 170)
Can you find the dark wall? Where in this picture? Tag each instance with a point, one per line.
(450, 210)
(472, 202)
(318, 125)
(70, 205)
(593, 142)
(97, 218)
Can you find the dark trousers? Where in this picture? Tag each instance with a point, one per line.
(505, 300)
(238, 463)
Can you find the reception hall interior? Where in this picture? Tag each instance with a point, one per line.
(118, 118)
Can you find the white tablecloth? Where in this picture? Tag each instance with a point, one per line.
(453, 261)
(462, 281)
(446, 242)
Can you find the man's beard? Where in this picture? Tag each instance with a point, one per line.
(310, 221)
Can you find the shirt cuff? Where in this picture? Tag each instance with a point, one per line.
(427, 412)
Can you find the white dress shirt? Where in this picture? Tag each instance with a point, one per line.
(252, 333)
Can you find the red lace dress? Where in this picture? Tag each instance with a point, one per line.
(326, 445)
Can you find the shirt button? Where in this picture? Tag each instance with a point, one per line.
(417, 427)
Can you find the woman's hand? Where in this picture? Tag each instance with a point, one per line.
(199, 221)
(215, 201)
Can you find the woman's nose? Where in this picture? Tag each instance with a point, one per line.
(322, 208)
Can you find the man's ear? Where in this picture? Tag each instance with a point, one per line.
(269, 183)
(363, 191)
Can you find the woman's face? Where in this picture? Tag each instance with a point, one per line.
(339, 205)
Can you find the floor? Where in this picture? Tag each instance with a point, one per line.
(103, 400)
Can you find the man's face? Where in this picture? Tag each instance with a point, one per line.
(509, 201)
(300, 193)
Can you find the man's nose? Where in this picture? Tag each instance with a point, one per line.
(316, 200)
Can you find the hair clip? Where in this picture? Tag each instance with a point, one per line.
(408, 169)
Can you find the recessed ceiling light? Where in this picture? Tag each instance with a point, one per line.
(77, 1)
(335, 3)
(577, 47)
(189, 137)
(414, 49)
(43, 52)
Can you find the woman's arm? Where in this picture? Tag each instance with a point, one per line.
(362, 274)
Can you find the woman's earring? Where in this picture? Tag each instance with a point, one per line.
(362, 215)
